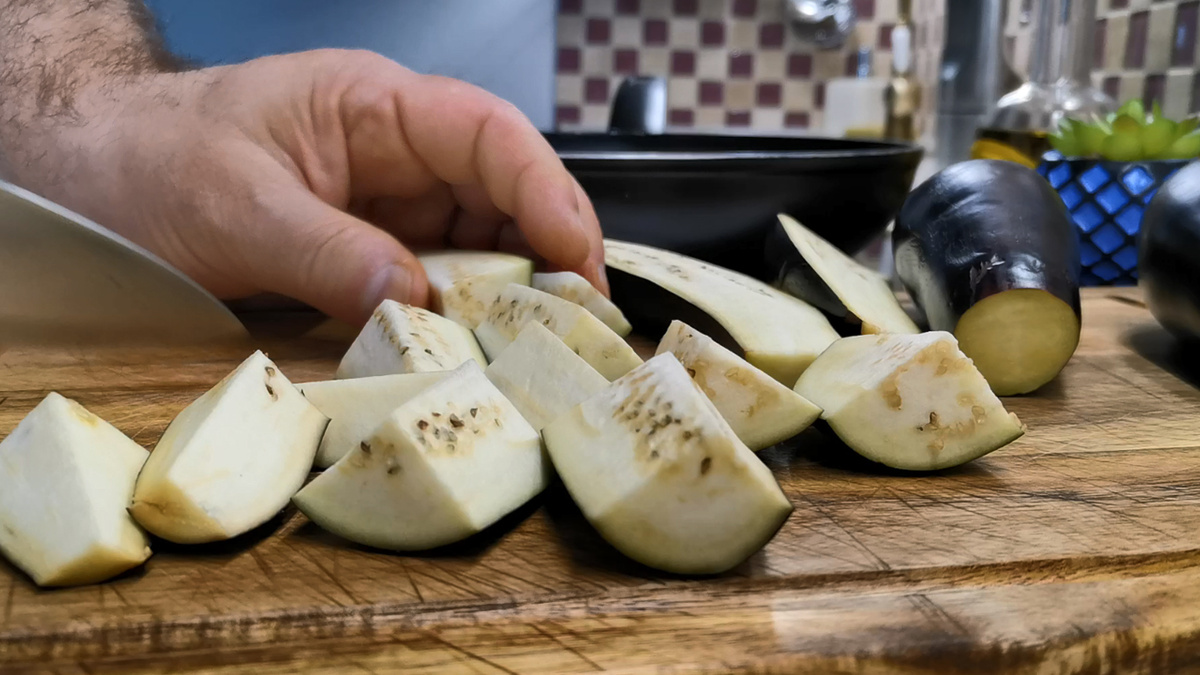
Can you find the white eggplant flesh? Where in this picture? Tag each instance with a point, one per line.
(818, 272)
(231, 460)
(448, 463)
(574, 288)
(463, 284)
(356, 407)
(662, 477)
(774, 331)
(760, 410)
(405, 339)
(542, 376)
(912, 402)
(586, 335)
(66, 477)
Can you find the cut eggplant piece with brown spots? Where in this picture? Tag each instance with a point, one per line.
(448, 463)
(583, 333)
(774, 331)
(574, 288)
(760, 410)
(662, 477)
(858, 300)
(988, 252)
(405, 339)
(912, 402)
(463, 284)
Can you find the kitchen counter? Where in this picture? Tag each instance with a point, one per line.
(1073, 550)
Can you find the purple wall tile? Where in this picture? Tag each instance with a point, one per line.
(1153, 89)
(625, 61)
(819, 96)
(570, 6)
(1112, 86)
(745, 8)
(770, 36)
(681, 117)
(1098, 41)
(566, 114)
(628, 7)
(799, 66)
(737, 118)
(683, 62)
(768, 94)
(712, 92)
(568, 60)
(1183, 47)
(741, 64)
(595, 90)
(796, 120)
(654, 32)
(712, 34)
(1195, 98)
(599, 31)
(865, 9)
(1118, 4)
(685, 7)
(884, 41)
(1135, 45)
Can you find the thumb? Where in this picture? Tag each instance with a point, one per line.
(333, 261)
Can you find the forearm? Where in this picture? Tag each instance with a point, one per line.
(57, 58)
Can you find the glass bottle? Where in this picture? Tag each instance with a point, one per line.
(1059, 85)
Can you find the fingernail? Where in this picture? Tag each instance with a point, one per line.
(602, 275)
(393, 282)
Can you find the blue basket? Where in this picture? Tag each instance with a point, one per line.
(1106, 200)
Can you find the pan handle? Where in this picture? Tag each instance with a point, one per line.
(640, 106)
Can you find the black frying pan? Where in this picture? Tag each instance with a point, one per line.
(715, 197)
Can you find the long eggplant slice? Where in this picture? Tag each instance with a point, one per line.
(911, 402)
(463, 284)
(760, 411)
(988, 252)
(518, 305)
(1169, 254)
(858, 299)
(662, 477)
(774, 331)
(570, 286)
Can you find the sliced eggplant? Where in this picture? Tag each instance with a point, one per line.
(760, 411)
(463, 284)
(451, 461)
(231, 460)
(66, 477)
(662, 477)
(771, 329)
(911, 402)
(356, 407)
(1169, 254)
(574, 288)
(586, 335)
(406, 339)
(857, 299)
(542, 376)
(988, 252)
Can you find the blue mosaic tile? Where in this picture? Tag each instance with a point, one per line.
(1059, 175)
(1108, 238)
(1094, 178)
(1112, 198)
(1126, 258)
(1136, 180)
(1130, 219)
(1088, 254)
(1088, 217)
(1071, 196)
(1107, 270)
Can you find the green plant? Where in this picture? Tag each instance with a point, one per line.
(1129, 135)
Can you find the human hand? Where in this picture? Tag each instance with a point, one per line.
(312, 175)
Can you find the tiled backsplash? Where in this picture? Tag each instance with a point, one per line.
(736, 63)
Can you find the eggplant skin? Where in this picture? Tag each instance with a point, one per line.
(1169, 254)
(979, 228)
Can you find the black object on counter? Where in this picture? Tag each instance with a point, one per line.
(716, 197)
(1169, 254)
(988, 252)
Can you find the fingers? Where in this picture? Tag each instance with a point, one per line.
(331, 260)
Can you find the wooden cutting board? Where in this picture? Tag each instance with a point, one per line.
(1074, 550)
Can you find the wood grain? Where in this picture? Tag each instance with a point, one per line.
(1074, 550)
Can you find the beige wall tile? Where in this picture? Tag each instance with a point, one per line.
(1178, 93)
(685, 33)
(599, 7)
(596, 60)
(713, 9)
(881, 64)
(654, 60)
(828, 64)
(570, 30)
(741, 35)
(712, 64)
(864, 35)
(766, 119)
(1117, 32)
(710, 118)
(1138, 5)
(1160, 36)
(1132, 86)
(770, 65)
(627, 31)
(568, 89)
(797, 95)
(594, 117)
(656, 9)
(682, 92)
(886, 11)
(739, 95)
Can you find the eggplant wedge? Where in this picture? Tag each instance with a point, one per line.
(574, 288)
(760, 410)
(405, 339)
(1169, 254)
(463, 284)
(586, 335)
(774, 331)
(912, 402)
(857, 299)
(988, 252)
(662, 477)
